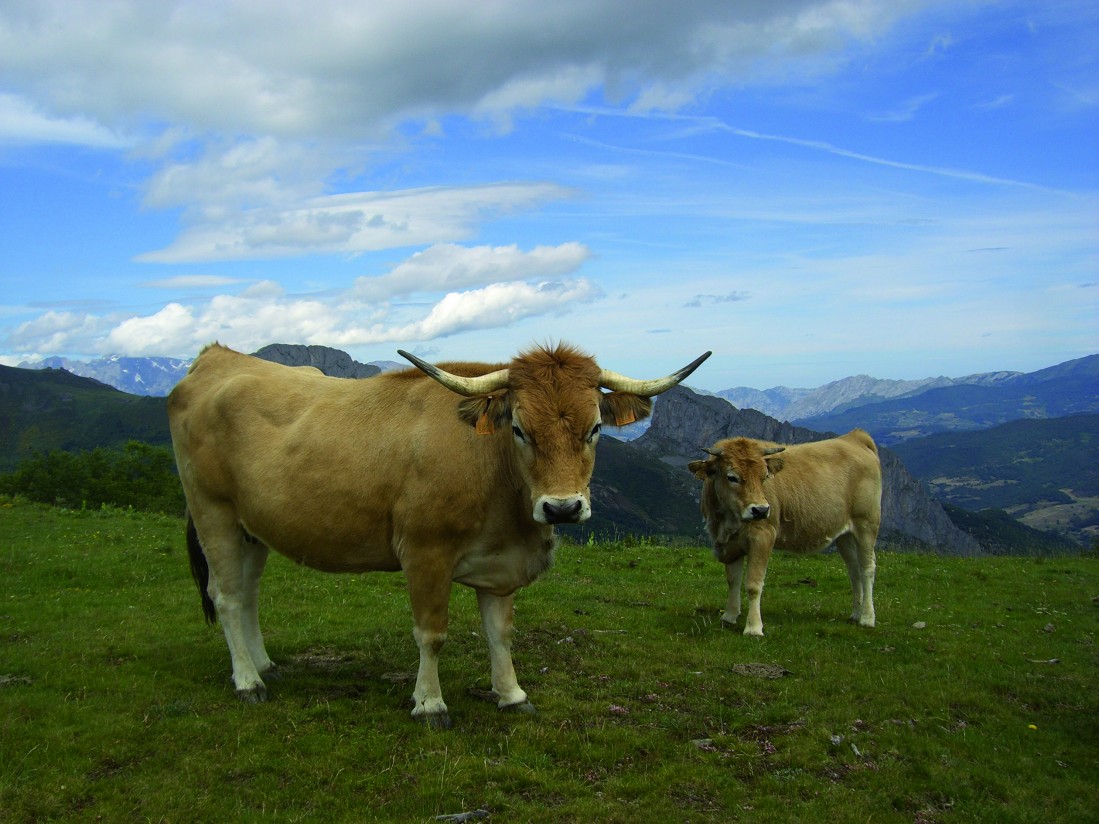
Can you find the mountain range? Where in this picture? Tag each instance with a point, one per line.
(641, 486)
(1070, 388)
(137, 376)
(789, 404)
(891, 410)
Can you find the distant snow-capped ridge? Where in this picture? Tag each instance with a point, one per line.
(157, 375)
(138, 376)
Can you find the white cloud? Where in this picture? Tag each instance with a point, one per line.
(263, 313)
(161, 332)
(22, 122)
(996, 103)
(735, 296)
(58, 332)
(447, 266)
(330, 68)
(254, 110)
(905, 111)
(494, 306)
(352, 223)
(190, 282)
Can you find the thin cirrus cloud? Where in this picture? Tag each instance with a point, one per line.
(352, 223)
(190, 282)
(735, 296)
(22, 122)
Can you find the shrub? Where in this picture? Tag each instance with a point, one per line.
(139, 475)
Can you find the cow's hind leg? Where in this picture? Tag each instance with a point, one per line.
(496, 619)
(859, 557)
(235, 566)
(429, 590)
(254, 554)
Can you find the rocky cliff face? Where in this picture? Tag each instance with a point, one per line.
(332, 362)
(685, 422)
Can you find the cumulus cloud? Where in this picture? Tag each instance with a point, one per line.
(447, 266)
(494, 306)
(263, 313)
(58, 332)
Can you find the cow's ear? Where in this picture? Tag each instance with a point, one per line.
(486, 412)
(622, 408)
(774, 465)
(699, 469)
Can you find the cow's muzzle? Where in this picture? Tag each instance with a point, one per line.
(550, 510)
(758, 512)
(561, 513)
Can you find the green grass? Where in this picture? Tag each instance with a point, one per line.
(116, 702)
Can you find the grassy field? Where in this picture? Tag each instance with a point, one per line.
(975, 698)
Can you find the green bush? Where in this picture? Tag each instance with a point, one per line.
(139, 475)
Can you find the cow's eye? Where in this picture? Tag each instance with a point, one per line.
(518, 433)
(595, 430)
(731, 478)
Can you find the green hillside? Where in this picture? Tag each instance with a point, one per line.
(1044, 472)
(42, 410)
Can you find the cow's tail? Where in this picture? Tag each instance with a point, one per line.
(200, 571)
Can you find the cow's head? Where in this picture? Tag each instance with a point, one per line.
(736, 470)
(549, 402)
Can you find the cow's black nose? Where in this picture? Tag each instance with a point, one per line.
(561, 514)
(760, 512)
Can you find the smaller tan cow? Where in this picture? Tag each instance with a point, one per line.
(758, 496)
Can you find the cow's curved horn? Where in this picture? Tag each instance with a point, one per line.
(710, 452)
(480, 385)
(774, 450)
(647, 388)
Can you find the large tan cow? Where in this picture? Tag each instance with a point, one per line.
(449, 475)
(758, 496)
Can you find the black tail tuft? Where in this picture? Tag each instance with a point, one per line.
(200, 571)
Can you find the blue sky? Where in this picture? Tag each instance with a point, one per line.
(811, 189)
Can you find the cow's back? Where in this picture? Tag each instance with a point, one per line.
(822, 488)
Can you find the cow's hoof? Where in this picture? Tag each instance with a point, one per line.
(522, 708)
(434, 720)
(725, 624)
(255, 695)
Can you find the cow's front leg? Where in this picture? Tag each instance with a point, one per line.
(496, 619)
(759, 553)
(430, 595)
(733, 574)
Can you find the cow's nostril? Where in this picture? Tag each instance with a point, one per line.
(760, 512)
(561, 513)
